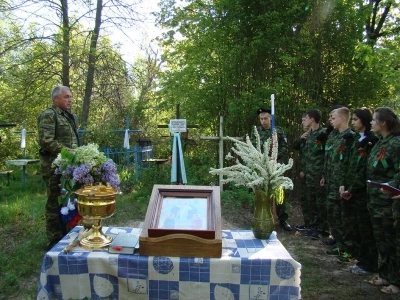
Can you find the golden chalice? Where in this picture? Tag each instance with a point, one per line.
(94, 204)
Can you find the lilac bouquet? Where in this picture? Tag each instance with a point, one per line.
(85, 165)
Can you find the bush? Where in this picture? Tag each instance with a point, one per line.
(237, 197)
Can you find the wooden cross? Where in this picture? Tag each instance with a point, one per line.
(221, 139)
(178, 175)
(8, 125)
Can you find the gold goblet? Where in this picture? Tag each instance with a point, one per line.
(94, 204)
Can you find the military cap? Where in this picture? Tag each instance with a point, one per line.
(263, 110)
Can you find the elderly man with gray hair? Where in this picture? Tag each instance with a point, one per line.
(57, 129)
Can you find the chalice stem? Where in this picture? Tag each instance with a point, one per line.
(97, 239)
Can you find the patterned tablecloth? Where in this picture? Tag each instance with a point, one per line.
(248, 269)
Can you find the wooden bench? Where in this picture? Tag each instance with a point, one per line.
(7, 172)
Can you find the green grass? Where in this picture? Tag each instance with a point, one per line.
(22, 236)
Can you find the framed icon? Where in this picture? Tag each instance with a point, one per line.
(193, 210)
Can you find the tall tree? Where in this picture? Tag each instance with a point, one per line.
(66, 42)
(91, 64)
(54, 17)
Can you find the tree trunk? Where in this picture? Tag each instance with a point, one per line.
(65, 48)
(92, 65)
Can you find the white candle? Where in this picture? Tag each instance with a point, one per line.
(23, 137)
(272, 104)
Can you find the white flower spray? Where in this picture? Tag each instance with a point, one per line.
(256, 169)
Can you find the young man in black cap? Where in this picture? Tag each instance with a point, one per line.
(265, 133)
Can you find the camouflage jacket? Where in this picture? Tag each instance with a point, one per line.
(383, 165)
(265, 134)
(314, 156)
(299, 145)
(57, 129)
(356, 178)
(337, 160)
(396, 202)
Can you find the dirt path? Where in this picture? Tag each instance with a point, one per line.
(322, 275)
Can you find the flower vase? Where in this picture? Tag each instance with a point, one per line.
(262, 223)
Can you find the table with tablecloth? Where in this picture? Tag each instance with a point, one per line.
(249, 268)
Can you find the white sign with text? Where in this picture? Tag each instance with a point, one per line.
(177, 125)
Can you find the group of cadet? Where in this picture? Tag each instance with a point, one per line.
(360, 221)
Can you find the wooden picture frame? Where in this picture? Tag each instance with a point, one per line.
(183, 217)
(182, 210)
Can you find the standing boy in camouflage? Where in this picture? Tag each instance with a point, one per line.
(299, 145)
(314, 156)
(57, 130)
(265, 133)
(337, 161)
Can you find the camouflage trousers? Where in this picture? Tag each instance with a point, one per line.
(342, 223)
(365, 250)
(55, 228)
(303, 202)
(396, 275)
(384, 227)
(316, 202)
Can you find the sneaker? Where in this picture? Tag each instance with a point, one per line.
(333, 251)
(358, 270)
(323, 233)
(315, 236)
(330, 241)
(301, 227)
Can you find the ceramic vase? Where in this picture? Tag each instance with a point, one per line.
(262, 223)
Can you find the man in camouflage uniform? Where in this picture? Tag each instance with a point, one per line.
(337, 156)
(314, 156)
(299, 145)
(57, 130)
(265, 133)
(327, 137)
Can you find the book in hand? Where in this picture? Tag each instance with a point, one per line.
(386, 187)
(124, 243)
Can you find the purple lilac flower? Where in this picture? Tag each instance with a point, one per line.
(82, 175)
(67, 173)
(109, 174)
(109, 167)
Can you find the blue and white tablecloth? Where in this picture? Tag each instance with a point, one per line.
(248, 269)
